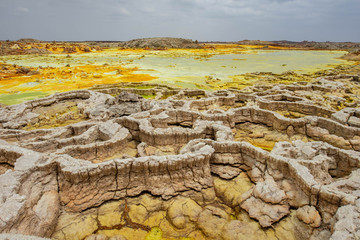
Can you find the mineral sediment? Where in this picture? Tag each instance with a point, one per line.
(109, 164)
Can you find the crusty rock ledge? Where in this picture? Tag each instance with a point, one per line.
(285, 177)
(52, 180)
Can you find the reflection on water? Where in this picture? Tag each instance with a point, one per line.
(10, 99)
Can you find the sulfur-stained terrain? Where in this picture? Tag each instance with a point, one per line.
(61, 67)
(265, 155)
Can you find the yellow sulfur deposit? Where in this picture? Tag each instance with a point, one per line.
(215, 66)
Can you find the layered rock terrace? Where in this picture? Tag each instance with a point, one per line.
(181, 151)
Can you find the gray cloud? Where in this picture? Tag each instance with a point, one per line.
(23, 9)
(225, 20)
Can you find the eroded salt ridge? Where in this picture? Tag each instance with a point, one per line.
(175, 148)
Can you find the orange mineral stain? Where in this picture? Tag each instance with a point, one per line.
(62, 79)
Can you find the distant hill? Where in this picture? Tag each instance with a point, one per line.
(255, 42)
(160, 43)
(29, 40)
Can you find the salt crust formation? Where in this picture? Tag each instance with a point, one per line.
(46, 173)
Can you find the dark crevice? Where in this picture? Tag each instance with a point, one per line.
(57, 178)
(7, 165)
(178, 125)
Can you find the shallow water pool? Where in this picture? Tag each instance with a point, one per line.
(178, 68)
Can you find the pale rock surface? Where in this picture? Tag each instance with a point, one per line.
(265, 213)
(225, 172)
(269, 191)
(183, 211)
(211, 222)
(347, 223)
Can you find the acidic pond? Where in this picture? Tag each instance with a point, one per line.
(178, 68)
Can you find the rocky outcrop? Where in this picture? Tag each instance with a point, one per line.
(266, 203)
(284, 102)
(346, 222)
(20, 115)
(309, 215)
(265, 213)
(348, 116)
(352, 56)
(89, 104)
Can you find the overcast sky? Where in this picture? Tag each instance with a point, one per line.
(203, 20)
